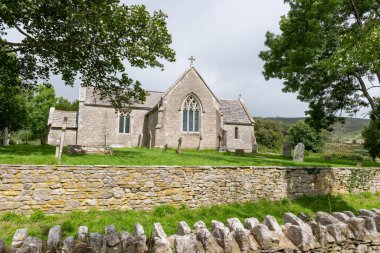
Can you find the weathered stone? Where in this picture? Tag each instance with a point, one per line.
(287, 149)
(250, 223)
(140, 238)
(326, 219)
(96, 242)
(224, 237)
(111, 237)
(299, 152)
(338, 231)
(128, 242)
(183, 228)
(349, 214)
(205, 237)
(234, 224)
(188, 244)
(340, 216)
(32, 245)
(3, 248)
(161, 244)
(304, 217)
(68, 245)
(19, 237)
(294, 220)
(376, 211)
(321, 234)
(364, 212)
(357, 226)
(242, 236)
(83, 234)
(272, 225)
(54, 238)
(301, 237)
(267, 240)
(370, 225)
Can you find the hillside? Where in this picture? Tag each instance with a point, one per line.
(352, 124)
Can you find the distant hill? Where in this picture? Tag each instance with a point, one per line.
(353, 124)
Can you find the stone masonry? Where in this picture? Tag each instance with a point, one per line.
(336, 232)
(57, 189)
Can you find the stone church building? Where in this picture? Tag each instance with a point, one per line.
(188, 110)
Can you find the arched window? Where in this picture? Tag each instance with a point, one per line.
(236, 133)
(124, 123)
(190, 115)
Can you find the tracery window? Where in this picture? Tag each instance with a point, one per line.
(124, 123)
(190, 115)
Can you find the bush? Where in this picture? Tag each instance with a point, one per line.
(269, 133)
(371, 135)
(301, 132)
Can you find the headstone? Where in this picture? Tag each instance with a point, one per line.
(240, 152)
(287, 149)
(150, 139)
(254, 148)
(140, 139)
(179, 145)
(299, 152)
(200, 143)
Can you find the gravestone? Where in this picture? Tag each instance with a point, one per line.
(254, 148)
(287, 149)
(140, 141)
(150, 139)
(199, 148)
(179, 145)
(299, 152)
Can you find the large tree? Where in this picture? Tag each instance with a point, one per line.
(86, 39)
(329, 53)
(13, 111)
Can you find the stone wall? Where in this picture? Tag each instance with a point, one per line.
(336, 232)
(56, 189)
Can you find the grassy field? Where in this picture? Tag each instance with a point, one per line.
(31, 154)
(38, 224)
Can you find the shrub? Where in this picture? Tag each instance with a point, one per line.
(301, 132)
(269, 133)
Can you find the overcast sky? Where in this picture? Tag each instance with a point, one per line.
(225, 37)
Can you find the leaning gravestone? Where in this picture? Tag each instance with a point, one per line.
(299, 152)
(287, 149)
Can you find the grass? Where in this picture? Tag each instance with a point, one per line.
(38, 224)
(31, 154)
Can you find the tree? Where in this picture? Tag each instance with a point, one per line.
(328, 52)
(65, 105)
(86, 39)
(371, 135)
(301, 132)
(40, 104)
(269, 133)
(13, 112)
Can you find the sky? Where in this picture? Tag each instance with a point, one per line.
(225, 37)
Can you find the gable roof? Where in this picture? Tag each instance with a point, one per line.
(182, 76)
(56, 118)
(235, 112)
(152, 98)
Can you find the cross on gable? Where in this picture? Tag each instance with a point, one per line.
(192, 60)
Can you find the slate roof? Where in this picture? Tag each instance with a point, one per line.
(56, 118)
(152, 99)
(234, 111)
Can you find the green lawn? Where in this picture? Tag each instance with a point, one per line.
(31, 154)
(39, 224)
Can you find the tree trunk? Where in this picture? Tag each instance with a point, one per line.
(6, 136)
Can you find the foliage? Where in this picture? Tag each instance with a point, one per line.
(65, 105)
(40, 104)
(88, 39)
(301, 132)
(326, 52)
(169, 216)
(13, 111)
(44, 154)
(269, 133)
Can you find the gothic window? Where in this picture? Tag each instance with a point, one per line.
(190, 115)
(236, 133)
(124, 123)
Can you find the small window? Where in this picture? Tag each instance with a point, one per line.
(236, 133)
(124, 123)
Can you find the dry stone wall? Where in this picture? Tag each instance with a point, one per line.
(336, 232)
(57, 189)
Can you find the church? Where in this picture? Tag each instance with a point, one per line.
(188, 112)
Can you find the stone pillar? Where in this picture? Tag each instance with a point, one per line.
(299, 152)
(62, 139)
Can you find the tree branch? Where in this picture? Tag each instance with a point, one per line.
(357, 13)
(22, 32)
(363, 88)
(13, 44)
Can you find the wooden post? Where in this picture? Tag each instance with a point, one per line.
(62, 139)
